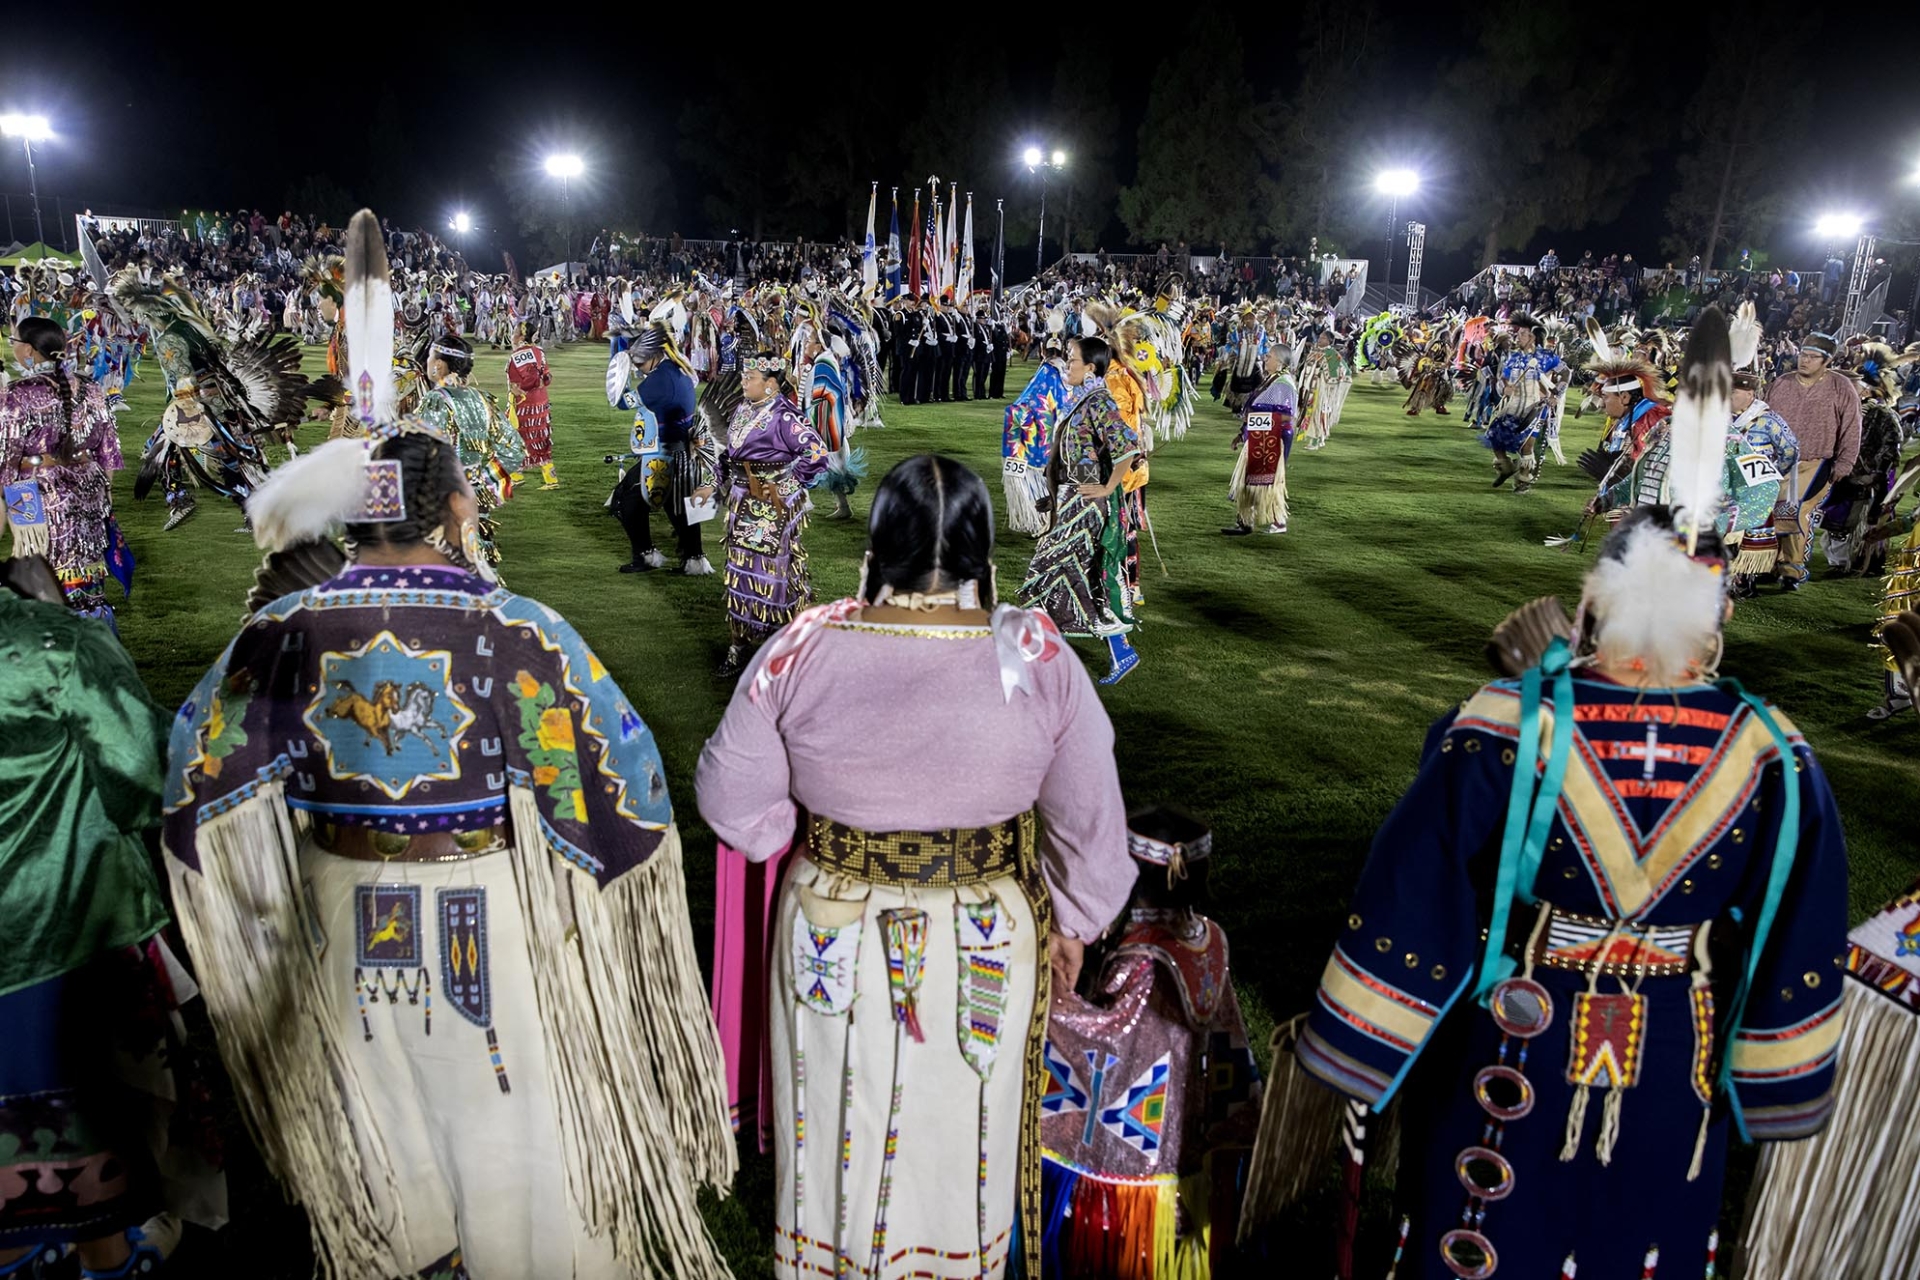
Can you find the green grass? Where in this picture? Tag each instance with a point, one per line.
(1286, 684)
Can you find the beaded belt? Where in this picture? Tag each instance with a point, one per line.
(368, 844)
(941, 859)
(1617, 949)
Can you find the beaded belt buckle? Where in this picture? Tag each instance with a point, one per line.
(1582, 944)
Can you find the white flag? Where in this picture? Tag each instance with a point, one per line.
(965, 286)
(869, 262)
(953, 237)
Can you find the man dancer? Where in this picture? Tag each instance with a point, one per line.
(1527, 387)
(1823, 409)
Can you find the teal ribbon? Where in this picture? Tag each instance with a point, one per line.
(1530, 806)
(1786, 847)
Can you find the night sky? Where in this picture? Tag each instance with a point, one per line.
(202, 109)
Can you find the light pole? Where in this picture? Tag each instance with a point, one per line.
(29, 129)
(566, 167)
(460, 223)
(1394, 183)
(1043, 164)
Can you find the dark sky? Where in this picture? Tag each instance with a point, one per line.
(204, 108)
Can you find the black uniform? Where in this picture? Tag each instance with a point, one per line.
(926, 357)
(982, 356)
(1001, 336)
(940, 329)
(900, 378)
(963, 344)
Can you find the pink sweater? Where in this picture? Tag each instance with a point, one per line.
(1825, 418)
(890, 731)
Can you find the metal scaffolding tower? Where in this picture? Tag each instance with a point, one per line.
(1416, 251)
(1852, 321)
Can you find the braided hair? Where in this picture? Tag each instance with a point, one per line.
(430, 476)
(49, 341)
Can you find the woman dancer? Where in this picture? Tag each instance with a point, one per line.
(918, 726)
(1079, 570)
(772, 455)
(58, 448)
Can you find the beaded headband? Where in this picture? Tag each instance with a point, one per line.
(764, 364)
(452, 353)
(1162, 854)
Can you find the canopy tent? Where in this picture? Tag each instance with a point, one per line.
(35, 252)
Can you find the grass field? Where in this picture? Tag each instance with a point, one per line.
(1285, 688)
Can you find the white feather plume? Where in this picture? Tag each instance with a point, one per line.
(367, 314)
(1655, 604)
(1743, 335)
(311, 496)
(1702, 410)
(1602, 349)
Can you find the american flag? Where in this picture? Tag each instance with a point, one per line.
(930, 253)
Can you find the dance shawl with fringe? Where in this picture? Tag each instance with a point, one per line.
(416, 699)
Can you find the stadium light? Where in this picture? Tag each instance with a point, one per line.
(1838, 226)
(1396, 182)
(29, 129)
(1393, 184)
(461, 224)
(566, 166)
(1043, 163)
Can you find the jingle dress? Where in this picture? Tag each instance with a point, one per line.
(1258, 485)
(491, 451)
(1078, 575)
(1603, 1134)
(529, 377)
(503, 1054)
(909, 989)
(773, 448)
(67, 461)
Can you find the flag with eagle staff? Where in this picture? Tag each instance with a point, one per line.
(869, 266)
(893, 248)
(963, 287)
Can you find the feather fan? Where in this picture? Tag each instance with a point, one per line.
(1743, 335)
(311, 496)
(368, 318)
(1696, 475)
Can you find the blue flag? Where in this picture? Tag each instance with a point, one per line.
(893, 249)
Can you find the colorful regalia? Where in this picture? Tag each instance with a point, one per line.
(1842, 1203)
(1151, 1093)
(906, 971)
(57, 456)
(1517, 434)
(529, 378)
(1616, 989)
(405, 796)
(228, 396)
(1325, 379)
(1766, 434)
(490, 450)
(419, 700)
(772, 455)
(1078, 574)
(827, 409)
(1258, 486)
(1026, 429)
(91, 1084)
(1429, 380)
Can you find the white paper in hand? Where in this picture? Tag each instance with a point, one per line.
(701, 510)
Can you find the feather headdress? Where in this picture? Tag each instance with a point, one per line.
(1648, 602)
(1697, 470)
(311, 496)
(367, 315)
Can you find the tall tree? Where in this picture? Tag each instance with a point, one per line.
(1529, 149)
(1309, 132)
(1083, 119)
(1195, 179)
(1742, 120)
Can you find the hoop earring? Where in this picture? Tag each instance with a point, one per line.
(1709, 671)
